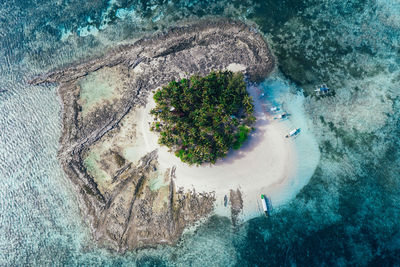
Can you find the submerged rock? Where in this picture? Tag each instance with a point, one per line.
(126, 199)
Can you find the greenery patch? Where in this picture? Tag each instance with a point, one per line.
(202, 118)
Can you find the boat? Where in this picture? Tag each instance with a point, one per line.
(293, 133)
(282, 116)
(266, 205)
(274, 109)
(322, 89)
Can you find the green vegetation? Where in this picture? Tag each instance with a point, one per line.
(201, 118)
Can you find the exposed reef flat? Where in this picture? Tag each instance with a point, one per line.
(128, 201)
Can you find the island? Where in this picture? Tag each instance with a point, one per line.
(127, 195)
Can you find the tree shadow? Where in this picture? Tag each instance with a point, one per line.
(253, 140)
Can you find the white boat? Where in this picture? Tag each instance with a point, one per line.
(293, 133)
(265, 204)
(282, 116)
(274, 109)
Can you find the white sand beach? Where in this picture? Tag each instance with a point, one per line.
(266, 164)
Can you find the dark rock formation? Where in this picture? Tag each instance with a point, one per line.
(236, 200)
(128, 214)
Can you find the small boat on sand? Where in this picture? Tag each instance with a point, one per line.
(282, 116)
(266, 205)
(293, 133)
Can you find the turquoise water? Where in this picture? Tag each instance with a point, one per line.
(348, 213)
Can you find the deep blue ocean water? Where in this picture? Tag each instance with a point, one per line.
(349, 212)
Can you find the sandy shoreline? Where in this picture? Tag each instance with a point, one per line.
(264, 164)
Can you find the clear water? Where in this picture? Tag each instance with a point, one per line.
(347, 214)
(281, 93)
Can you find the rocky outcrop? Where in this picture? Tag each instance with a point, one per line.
(126, 212)
(236, 201)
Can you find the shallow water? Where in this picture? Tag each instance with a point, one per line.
(347, 214)
(287, 97)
